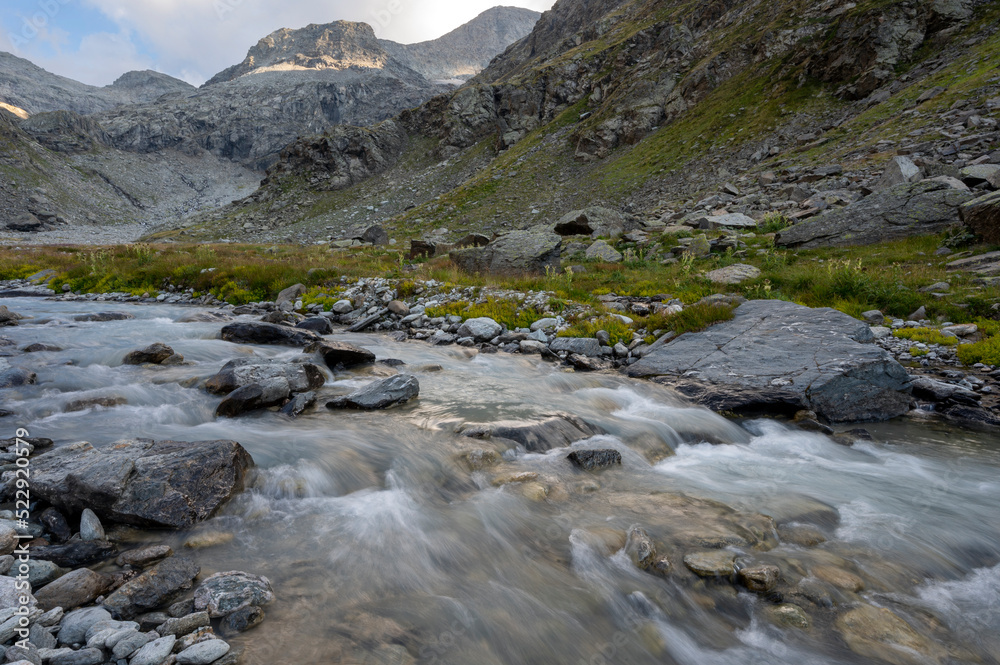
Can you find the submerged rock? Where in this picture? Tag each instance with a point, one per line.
(380, 394)
(104, 316)
(878, 633)
(153, 354)
(820, 357)
(143, 482)
(16, 377)
(224, 593)
(241, 372)
(549, 431)
(591, 460)
(711, 563)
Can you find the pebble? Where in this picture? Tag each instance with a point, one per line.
(155, 652)
(202, 653)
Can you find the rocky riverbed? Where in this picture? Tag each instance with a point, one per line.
(493, 507)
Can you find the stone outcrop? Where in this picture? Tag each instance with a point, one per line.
(904, 210)
(982, 216)
(820, 359)
(514, 252)
(142, 482)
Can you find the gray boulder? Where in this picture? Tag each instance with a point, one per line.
(819, 359)
(241, 372)
(142, 482)
(982, 216)
(602, 251)
(268, 393)
(513, 253)
(733, 220)
(482, 329)
(7, 317)
(546, 432)
(904, 210)
(981, 173)
(380, 394)
(584, 346)
(257, 332)
(341, 354)
(153, 588)
(153, 354)
(291, 294)
(898, 171)
(734, 274)
(224, 593)
(318, 324)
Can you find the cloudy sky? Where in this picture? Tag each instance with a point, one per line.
(95, 41)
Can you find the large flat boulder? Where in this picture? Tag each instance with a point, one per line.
(821, 358)
(596, 222)
(257, 332)
(143, 482)
(516, 252)
(246, 371)
(556, 430)
(904, 210)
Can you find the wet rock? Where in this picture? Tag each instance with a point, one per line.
(380, 394)
(90, 526)
(104, 316)
(710, 563)
(927, 388)
(108, 402)
(153, 588)
(144, 556)
(640, 548)
(268, 393)
(203, 653)
(972, 417)
(821, 356)
(982, 216)
(241, 372)
(16, 377)
(142, 482)
(734, 274)
(547, 432)
(225, 593)
(587, 364)
(153, 354)
(155, 652)
(75, 553)
(481, 329)
(256, 332)
(56, 524)
(584, 346)
(318, 324)
(759, 579)
(74, 626)
(204, 317)
(801, 535)
(298, 404)
(878, 633)
(788, 615)
(185, 624)
(905, 210)
(38, 347)
(592, 460)
(242, 620)
(838, 577)
(516, 252)
(8, 318)
(338, 355)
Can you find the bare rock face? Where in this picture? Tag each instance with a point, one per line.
(143, 482)
(819, 359)
(512, 253)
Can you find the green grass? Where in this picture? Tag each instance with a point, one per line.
(618, 330)
(925, 335)
(985, 351)
(694, 318)
(509, 313)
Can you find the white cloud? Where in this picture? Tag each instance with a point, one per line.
(195, 39)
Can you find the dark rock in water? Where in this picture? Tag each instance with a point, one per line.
(204, 317)
(39, 347)
(104, 316)
(905, 210)
(36, 443)
(16, 377)
(75, 553)
(821, 355)
(759, 579)
(299, 403)
(972, 416)
(595, 459)
(927, 388)
(267, 333)
(224, 593)
(242, 620)
(153, 588)
(241, 372)
(73, 589)
(268, 393)
(516, 252)
(143, 482)
(550, 431)
(56, 524)
(7, 317)
(144, 556)
(380, 394)
(392, 362)
(341, 354)
(586, 364)
(92, 402)
(317, 324)
(742, 401)
(153, 354)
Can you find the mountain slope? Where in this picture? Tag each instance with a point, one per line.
(643, 105)
(468, 49)
(27, 86)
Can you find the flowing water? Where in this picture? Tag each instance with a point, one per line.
(384, 547)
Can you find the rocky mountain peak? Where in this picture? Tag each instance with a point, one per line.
(341, 45)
